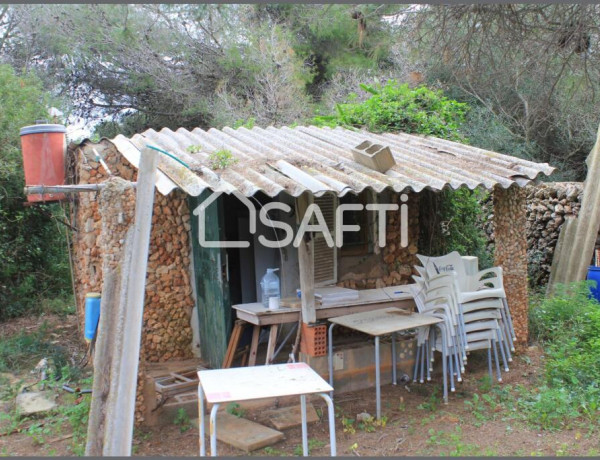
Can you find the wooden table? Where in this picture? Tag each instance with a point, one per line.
(247, 383)
(377, 323)
(368, 300)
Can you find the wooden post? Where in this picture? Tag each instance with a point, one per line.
(113, 404)
(306, 263)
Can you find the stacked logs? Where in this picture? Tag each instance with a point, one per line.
(168, 304)
(397, 261)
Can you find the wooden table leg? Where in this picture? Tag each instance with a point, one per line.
(233, 343)
(272, 342)
(254, 346)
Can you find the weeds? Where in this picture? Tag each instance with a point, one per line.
(312, 444)
(453, 440)
(272, 452)
(221, 159)
(235, 409)
(182, 419)
(194, 148)
(568, 326)
(23, 350)
(433, 402)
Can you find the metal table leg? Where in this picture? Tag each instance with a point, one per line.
(213, 430)
(330, 355)
(377, 378)
(201, 419)
(394, 358)
(304, 429)
(331, 415)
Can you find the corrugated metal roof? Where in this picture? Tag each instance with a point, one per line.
(319, 160)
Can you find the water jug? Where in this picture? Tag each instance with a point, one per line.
(270, 288)
(92, 315)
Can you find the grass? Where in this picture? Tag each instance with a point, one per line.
(22, 351)
(182, 419)
(71, 413)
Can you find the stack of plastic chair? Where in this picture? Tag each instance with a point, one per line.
(476, 311)
(447, 342)
(441, 336)
(485, 284)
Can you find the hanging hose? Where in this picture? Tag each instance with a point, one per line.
(170, 155)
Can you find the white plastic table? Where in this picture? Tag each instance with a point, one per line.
(377, 323)
(247, 383)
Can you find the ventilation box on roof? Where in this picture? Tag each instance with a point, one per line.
(373, 156)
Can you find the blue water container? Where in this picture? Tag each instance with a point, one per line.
(92, 315)
(594, 275)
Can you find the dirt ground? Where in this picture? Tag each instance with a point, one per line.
(478, 420)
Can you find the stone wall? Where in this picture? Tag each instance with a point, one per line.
(548, 205)
(393, 264)
(510, 218)
(166, 332)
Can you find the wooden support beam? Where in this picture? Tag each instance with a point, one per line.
(110, 431)
(306, 262)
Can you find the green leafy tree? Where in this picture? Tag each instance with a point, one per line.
(32, 252)
(397, 107)
(451, 219)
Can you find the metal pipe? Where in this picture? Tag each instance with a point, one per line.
(304, 428)
(201, 420)
(377, 378)
(43, 189)
(331, 414)
(101, 161)
(394, 358)
(213, 430)
(330, 353)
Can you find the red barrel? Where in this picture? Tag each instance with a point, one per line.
(44, 150)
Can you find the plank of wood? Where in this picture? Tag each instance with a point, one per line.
(254, 345)
(272, 343)
(243, 434)
(176, 383)
(288, 417)
(306, 263)
(290, 302)
(233, 343)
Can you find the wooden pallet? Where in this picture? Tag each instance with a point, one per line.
(177, 382)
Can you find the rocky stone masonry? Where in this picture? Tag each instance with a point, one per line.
(166, 330)
(398, 261)
(510, 219)
(548, 205)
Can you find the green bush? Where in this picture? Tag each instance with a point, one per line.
(452, 220)
(568, 327)
(397, 107)
(33, 255)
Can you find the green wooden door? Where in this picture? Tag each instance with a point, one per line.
(214, 306)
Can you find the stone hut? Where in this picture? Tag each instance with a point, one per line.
(294, 166)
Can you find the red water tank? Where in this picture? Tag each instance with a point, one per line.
(44, 149)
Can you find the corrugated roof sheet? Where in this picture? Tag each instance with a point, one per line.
(319, 160)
